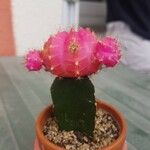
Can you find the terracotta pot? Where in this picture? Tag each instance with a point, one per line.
(116, 145)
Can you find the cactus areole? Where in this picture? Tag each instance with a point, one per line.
(73, 56)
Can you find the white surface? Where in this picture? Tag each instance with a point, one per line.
(136, 50)
(34, 21)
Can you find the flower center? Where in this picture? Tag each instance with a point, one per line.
(73, 47)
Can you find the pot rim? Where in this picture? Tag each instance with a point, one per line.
(119, 116)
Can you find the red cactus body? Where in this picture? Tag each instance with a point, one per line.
(33, 60)
(108, 51)
(71, 54)
(74, 54)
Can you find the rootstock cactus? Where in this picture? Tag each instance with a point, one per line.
(72, 56)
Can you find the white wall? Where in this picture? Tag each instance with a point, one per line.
(34, 21)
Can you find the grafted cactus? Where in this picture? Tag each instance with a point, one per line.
(73, 56)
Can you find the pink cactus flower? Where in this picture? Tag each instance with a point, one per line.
(33, 60)
(108, 51)
(71, 54)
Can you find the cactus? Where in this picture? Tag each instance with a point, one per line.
(73, 55)
(74, 104)
(108, 51)
(33, 60)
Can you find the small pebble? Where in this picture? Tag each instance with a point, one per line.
(106, 131)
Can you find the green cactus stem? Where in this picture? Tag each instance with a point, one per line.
(74, 104)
